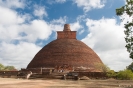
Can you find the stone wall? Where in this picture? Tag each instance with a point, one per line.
(8, 73)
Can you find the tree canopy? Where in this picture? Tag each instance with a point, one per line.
(102, 67)
(126, 12)
(6, 68)
(130, 67)
(1, 67)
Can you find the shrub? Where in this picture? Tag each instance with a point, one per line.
(125, 75)
(111, 74)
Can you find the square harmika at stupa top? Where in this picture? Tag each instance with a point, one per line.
(66, 33)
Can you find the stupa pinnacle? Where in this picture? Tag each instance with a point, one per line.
(67, 27)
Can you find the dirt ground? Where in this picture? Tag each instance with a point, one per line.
(57, 83)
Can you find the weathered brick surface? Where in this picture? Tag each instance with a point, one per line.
(66, 35)
(65, 50)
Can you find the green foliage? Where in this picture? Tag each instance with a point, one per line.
(130, 67)
(125, 75)
(1, 67)
(122, 75)
(6, 68)
(102, 67)
(111, 74)
(128, 10)
(9, 68)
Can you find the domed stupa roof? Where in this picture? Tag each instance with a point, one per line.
(66, 49)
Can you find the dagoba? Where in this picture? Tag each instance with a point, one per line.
(66, 49)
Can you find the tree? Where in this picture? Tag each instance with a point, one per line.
(102, 67)
(124, 11)
(125, 75)
(6, 68)
(111, 74)
(9, 68)
(1, 67)
(130, 67)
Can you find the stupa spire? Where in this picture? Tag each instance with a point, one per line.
(66, 27)
(66, 33)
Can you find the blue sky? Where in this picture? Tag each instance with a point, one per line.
(28, 25)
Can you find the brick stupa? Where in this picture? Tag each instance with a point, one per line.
(66, 49)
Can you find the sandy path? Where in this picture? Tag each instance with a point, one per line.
(56, 83)
(24, 83)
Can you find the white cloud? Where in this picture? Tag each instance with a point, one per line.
(89, 4)
(40, 11)
(13, 24)
(12, 3)
(9, 16)
(56, 27)
(61, 20)
(57, 24)
(75, 26)
(17, 55)
(10, 22)
(38, 29)
(106, 38)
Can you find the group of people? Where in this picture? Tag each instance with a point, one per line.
(63, 68)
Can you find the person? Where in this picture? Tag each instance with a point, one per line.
(28, 75)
